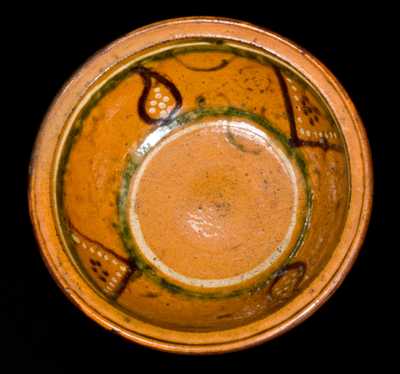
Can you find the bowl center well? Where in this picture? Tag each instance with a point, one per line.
(214, 203)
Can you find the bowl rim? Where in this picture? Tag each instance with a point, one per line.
(41, 166)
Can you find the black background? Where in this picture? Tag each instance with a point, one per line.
(41, 324)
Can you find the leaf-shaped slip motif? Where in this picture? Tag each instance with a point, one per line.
(287, 282)
(165, 102)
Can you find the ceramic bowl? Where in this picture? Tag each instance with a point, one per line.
(200, 186)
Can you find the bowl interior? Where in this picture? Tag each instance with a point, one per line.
(201, 185)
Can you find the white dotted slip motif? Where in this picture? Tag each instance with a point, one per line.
(307, 133)
(107, 269)
(318, 134)
(158, 104)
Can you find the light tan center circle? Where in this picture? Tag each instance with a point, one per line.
(214, 204)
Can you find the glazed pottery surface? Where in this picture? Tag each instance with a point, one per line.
(200, 186)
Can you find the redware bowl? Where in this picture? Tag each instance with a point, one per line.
(200, 186)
